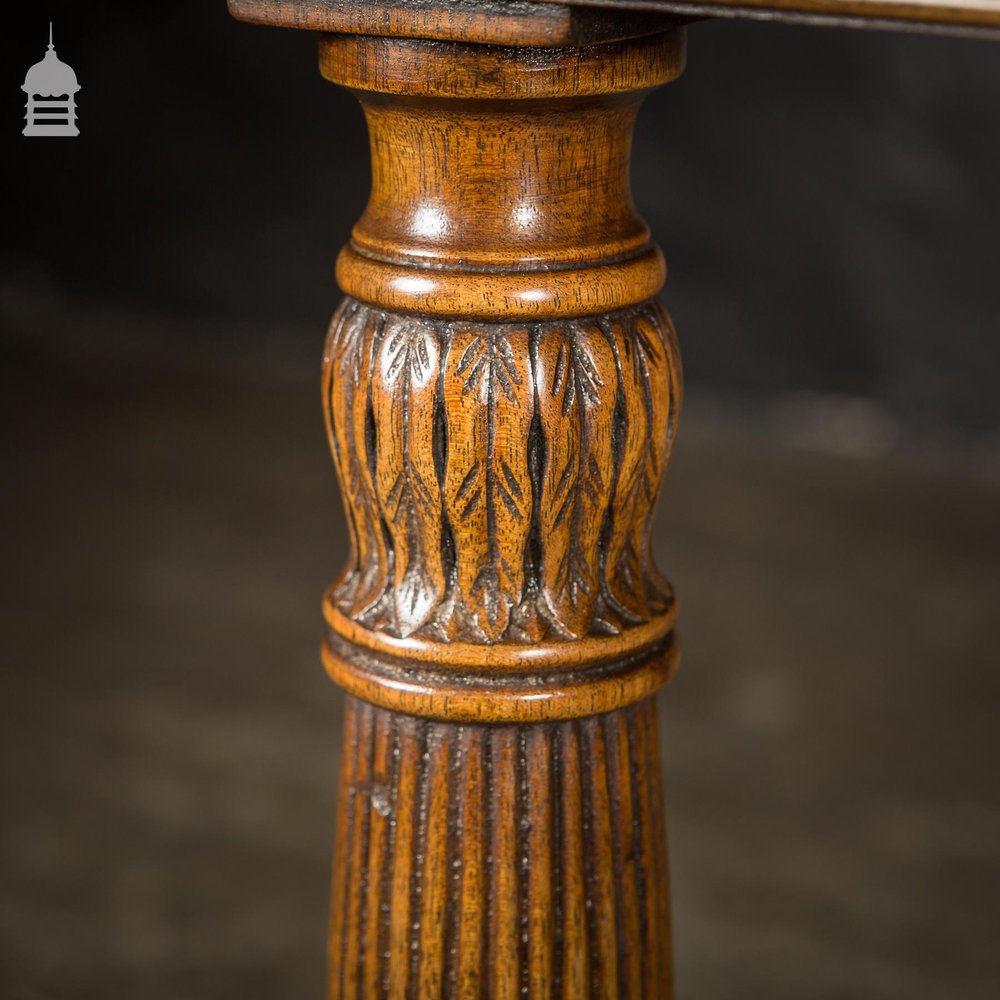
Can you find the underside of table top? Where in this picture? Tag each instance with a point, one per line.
(548, 23)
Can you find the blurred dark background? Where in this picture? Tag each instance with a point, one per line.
(829, 204)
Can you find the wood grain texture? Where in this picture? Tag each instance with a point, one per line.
(488, 412)
(537, 697)
(485, 22)
(349, 357)
(500, 183)
(974, 16)
(509, 874)
(576, 403)
(403, 397)
(581, 22)
(501, 392)
(516, 473)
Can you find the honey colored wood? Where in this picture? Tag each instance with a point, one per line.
(537, 253)
(501, 392)
(500, 861)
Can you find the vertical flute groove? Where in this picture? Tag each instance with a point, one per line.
(385, 932)
(626, 867)
(523, 821)
(503, 916)
(576, 953)
(607, 886)
(453, 869)
(338, 933)
(357, 872)
(557, 871)
(471, 915)
(591, 870)
(659, 838)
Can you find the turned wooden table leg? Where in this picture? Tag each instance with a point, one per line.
(501, 391)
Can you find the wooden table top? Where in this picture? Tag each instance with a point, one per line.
(954, 13)
(575, 22)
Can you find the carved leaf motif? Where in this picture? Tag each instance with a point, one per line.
(407, 374)
(487, 484)
(346, 313)
(577, 384)
(350, 350)
(655, 333)
(644, 379)
(606, 396)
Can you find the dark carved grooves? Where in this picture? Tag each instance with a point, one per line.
(500, 480)
(487, 862)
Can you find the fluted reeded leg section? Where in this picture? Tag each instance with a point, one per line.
(500, 861)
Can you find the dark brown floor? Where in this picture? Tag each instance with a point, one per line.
(170, 742)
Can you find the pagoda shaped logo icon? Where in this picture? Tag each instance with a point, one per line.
(51, 87)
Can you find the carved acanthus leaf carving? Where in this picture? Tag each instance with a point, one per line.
(577, 386)
(500, 480)
(350, 350)
(649, 397)
(487, 483)
(406, 372)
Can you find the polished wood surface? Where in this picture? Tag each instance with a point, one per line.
(501, 392)
(488, 22)
(500, 861)
(886, 13)
(582, 22)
